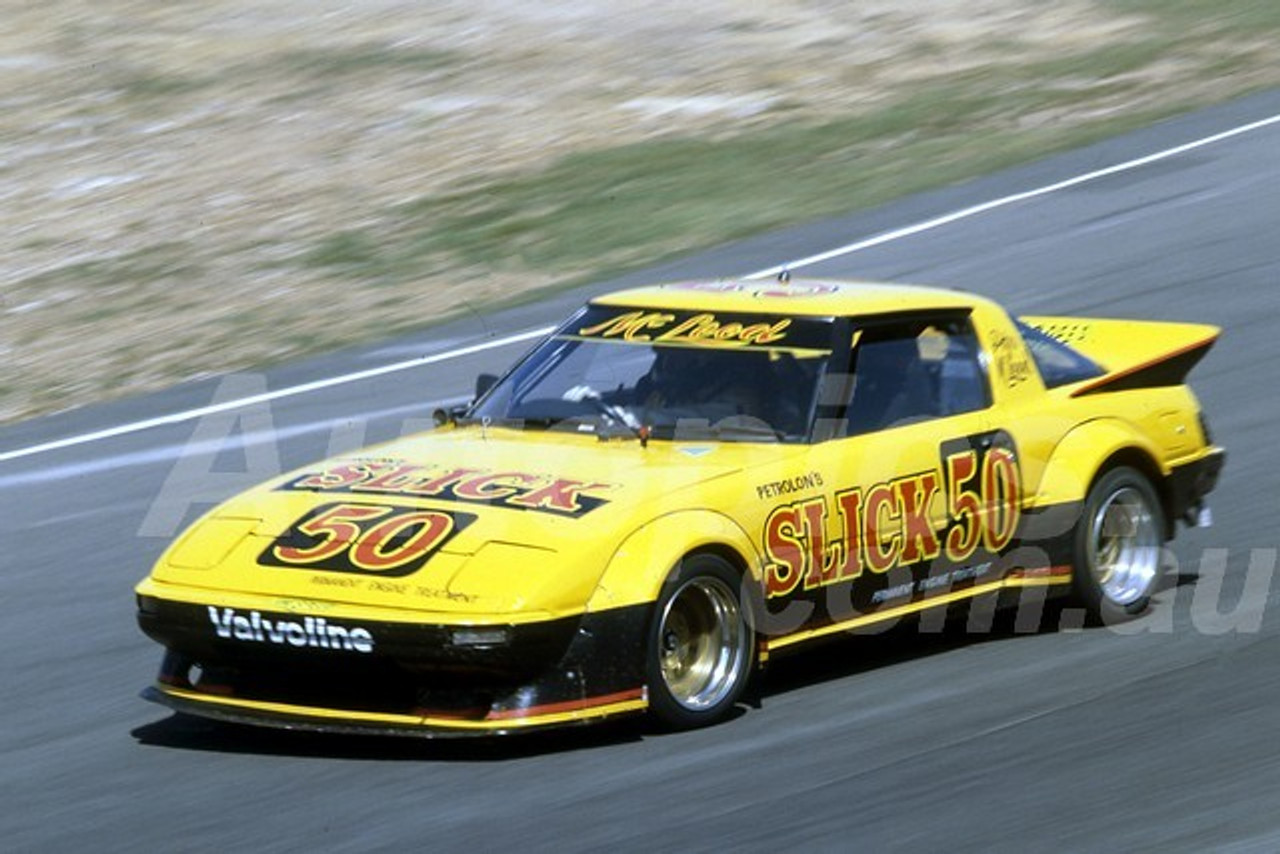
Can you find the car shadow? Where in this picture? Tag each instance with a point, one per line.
(838, 657)
(185, 732)
(849, 654)
(843, 655)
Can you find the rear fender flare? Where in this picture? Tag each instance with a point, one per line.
(1085, 451)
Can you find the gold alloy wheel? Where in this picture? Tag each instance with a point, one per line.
(1124, 549)
(703, 643)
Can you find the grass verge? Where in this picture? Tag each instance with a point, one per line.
(263, 202)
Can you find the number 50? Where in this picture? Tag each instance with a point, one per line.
(372, 538)
(985, 501)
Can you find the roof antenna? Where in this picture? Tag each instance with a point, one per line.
(784, 275)
(478, 316)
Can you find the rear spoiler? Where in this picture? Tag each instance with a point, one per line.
(1132, 353)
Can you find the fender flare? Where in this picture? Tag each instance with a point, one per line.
(1084, 452)
(641, 563)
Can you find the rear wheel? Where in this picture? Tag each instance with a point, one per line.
(1117, 546)
(700, 648)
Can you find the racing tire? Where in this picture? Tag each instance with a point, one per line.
(1117, 546)
(700, 649)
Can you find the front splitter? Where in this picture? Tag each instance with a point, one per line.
(309, 719)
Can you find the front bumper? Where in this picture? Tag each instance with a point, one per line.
(338, 675)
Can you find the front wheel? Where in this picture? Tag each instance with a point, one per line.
(700, 648)
(1117, 546)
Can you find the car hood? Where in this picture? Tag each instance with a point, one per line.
(486, 521)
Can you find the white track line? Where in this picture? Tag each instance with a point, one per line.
(848, 249)
(225, 406)
(153, 454)
(966, 213)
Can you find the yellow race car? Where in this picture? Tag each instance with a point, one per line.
(677, 482)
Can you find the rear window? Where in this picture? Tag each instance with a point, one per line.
(1058, 363)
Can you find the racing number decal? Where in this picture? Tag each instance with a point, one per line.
(984, 499)
(889, 524)
(364, 538)
(390, 541)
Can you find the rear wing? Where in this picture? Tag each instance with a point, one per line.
(1132, 353)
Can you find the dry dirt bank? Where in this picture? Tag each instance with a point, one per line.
(164, 166)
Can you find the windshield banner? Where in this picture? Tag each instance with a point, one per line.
(700, 328)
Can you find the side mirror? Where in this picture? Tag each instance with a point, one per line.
(449, 416)
(441, 417)
(484, 382)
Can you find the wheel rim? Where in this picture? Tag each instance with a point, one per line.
(1125, 547)
(702, 643)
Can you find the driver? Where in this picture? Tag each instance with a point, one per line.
(692, 377)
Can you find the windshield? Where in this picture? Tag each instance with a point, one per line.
(671, 374)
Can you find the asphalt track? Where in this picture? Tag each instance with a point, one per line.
(1163, 736)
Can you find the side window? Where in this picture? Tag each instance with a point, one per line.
(909, 371)
(1057, 362)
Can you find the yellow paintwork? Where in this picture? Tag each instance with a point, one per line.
(807, 297)
(472, 578)
(1123, 345)
(513, 564)
(641, 563)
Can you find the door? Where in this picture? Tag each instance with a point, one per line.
(921, 491)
